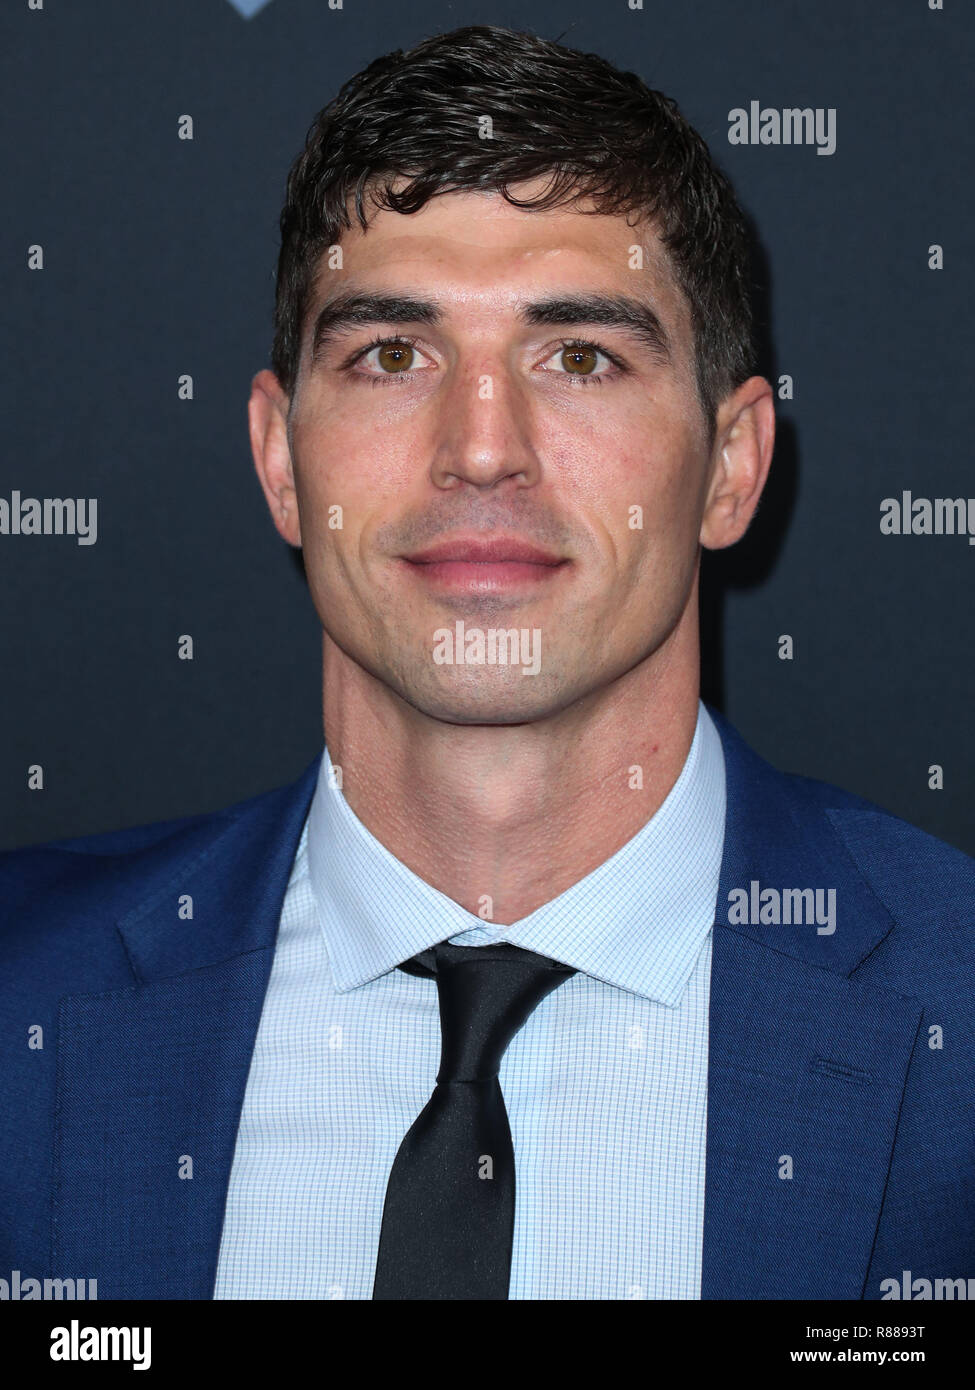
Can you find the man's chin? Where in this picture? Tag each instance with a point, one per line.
(496, 699)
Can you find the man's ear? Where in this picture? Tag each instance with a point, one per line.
(743, 443)
(267, 416)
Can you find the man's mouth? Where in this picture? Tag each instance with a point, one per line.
(484, 564)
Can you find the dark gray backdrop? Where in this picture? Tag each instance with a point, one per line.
(158, 260)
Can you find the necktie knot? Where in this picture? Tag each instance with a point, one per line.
(486, 993)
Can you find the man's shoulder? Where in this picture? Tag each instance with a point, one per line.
(63, 884)
(925, 888)
(875, 837)
(885, 846)
(893, 882)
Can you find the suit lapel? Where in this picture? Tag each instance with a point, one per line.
(151, 1078)
(807, 1067)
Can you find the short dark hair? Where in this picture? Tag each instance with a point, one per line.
(597, 133)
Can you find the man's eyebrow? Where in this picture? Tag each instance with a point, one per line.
(632, 316)
(351, 310)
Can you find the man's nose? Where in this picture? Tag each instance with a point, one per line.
(485, 430)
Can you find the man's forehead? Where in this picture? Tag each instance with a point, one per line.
(470, 247)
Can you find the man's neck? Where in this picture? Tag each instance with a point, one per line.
(504, 818)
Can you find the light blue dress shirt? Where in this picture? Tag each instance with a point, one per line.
(605, 1085)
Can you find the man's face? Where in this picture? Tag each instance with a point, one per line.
(488, 474)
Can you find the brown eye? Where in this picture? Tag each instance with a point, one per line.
(395, 357)
(579, 359)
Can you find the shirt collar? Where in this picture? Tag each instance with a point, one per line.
(638, 921)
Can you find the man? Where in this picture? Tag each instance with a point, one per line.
(538, 983)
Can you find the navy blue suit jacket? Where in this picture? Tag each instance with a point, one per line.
(823, 1048)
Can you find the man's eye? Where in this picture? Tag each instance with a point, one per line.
(388, 357)
(581, 359)
(392, 356)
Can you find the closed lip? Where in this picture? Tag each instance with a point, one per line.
(496, 550)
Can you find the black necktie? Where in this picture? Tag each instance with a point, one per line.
(449, 1214)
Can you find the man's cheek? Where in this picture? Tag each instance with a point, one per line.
(332, 496)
